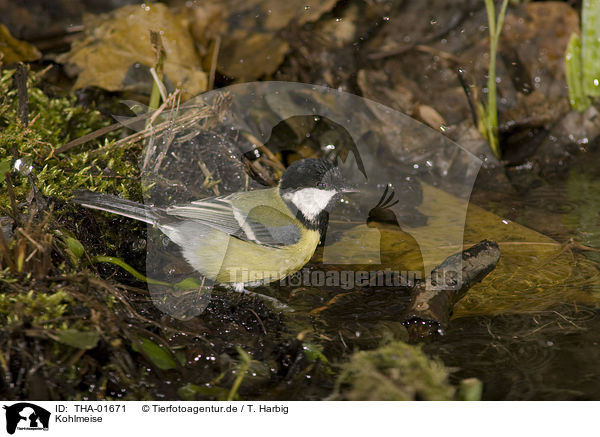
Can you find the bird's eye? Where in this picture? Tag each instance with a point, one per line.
(322, 185)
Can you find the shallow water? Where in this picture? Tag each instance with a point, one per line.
(552, 353)
(531, 329)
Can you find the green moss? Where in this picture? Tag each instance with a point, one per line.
(394, 372)
(54, 121)
(39, 308)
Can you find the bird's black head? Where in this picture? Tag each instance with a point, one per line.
(313, 173)
(308, 187)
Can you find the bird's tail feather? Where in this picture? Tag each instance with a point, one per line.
(116, 205)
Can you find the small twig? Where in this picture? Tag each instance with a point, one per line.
(463, 83)
(166, 103)
(259, 320)
(102, 131)
(21, 82)
(26, 235)
(208, 178)
(342, 340)
(213, 62)
(157, 71)
(442, 54)
(31, 255)
(161, 86)
(255, 141)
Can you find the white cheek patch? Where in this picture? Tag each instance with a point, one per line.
(310, 201)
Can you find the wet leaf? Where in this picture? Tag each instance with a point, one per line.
(251, 43)
(74, 247)
(314, 353)
(116, 52)
(78, 339)
(158, 355)
(13, 50)
(190, 392)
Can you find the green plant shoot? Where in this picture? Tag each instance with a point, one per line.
(590, 47)
(573, 71)
(489, 112)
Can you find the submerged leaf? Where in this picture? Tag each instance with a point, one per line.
(79, 339)
(190, 392)
(159, 356)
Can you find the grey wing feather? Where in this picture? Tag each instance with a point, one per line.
(220, 214)
(116, 205)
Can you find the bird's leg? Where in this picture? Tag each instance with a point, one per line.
(239, 287)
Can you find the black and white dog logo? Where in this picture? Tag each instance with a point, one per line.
(26, 416)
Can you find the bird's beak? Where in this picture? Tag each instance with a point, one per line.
(349, 189)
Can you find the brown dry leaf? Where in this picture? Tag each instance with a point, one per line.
(252, 56)
(116, 53)
(430, 116)
(13, 50)
(251, 46)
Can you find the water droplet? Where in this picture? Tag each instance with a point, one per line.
(386, 18)
(596, 82)
(23, 166)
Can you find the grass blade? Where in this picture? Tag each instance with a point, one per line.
(590, 46)
(574, 74)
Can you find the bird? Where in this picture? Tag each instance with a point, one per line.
(246, 238)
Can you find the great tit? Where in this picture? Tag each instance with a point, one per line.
(244, 238)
